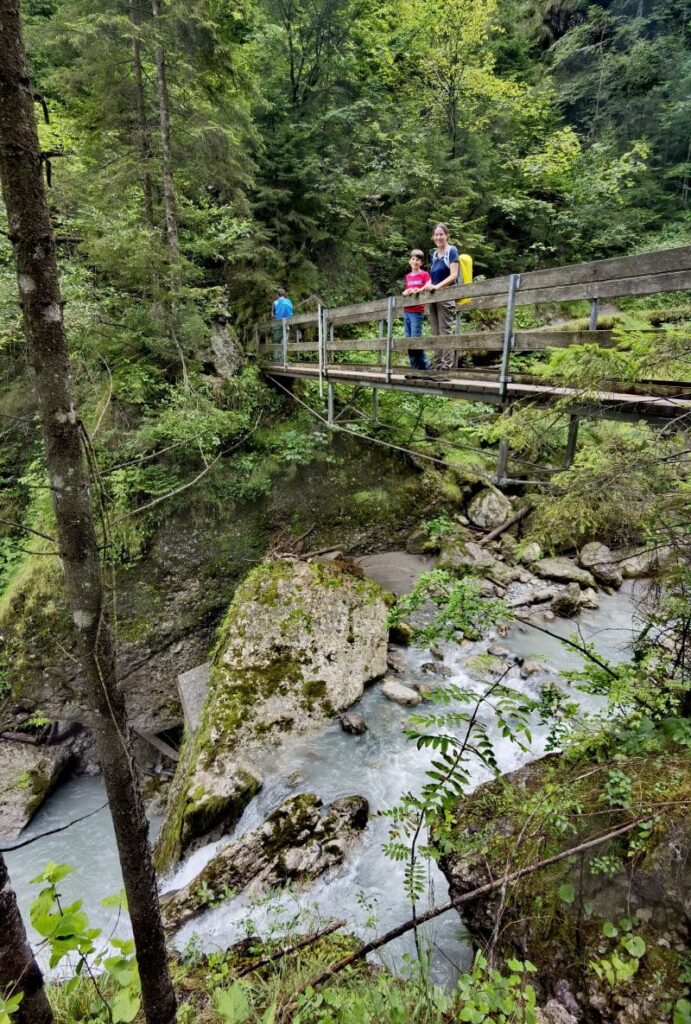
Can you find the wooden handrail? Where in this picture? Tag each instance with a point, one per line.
(665, 270)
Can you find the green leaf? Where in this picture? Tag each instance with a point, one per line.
(567, 892)
(125, 1006)
(232, 1003)
(682, 1012)
(634, 945)
(610, 930)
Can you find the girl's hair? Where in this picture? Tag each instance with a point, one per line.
(417, 252)
(444, 227)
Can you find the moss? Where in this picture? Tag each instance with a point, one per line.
(313, 689)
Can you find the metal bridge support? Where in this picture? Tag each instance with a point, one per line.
(389, 334)
(572, 438)
(504, 376)
(330, 404)
(375, 391)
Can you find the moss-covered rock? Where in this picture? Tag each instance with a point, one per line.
(296, 844)
(28, 774)
(298, 644)
(574, 918)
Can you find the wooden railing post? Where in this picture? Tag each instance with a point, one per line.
(390, 302)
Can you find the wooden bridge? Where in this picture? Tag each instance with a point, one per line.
(315, 346)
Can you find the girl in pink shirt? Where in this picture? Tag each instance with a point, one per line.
(412, 315)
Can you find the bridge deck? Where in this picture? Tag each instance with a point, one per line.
(608, 404)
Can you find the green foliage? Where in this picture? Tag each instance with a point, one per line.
(462, 611)
(9, 1004)
(116, 997)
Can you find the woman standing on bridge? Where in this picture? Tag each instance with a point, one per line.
(444, 272)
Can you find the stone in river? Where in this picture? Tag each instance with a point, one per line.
(28, 774)
(530, 667)
(602, 563)
(400, 694)
(563, 570)
(353, 722)
(435, 668)
(298, 842)
(498, 651)
(395, 662)
(568, 602)
(298, 644)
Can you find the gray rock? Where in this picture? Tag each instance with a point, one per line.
(567, 603)
(489, 509)
(400, 694)
(589, 598)
(424, 689)
(602, 563)
(519, 595)
(296, 844)
(395, 662)
(298, 643)
(193, 687)
(530, 552)
(549, 615)
(563, 570)
(529, 667)
(401, 633)
(498, 651)
(28, 774)
(419, 543)
(638, 563)
(353, 722)
(435, 668)
(554, 1013)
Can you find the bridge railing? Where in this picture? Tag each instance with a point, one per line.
(318, 333)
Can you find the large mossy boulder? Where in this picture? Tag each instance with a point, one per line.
(298, 644)
(586, 909)
(298, 842)
(28, 774)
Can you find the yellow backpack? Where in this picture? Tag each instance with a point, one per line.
(465, 272)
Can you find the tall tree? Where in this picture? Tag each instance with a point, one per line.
(166, 144)
(33, 245)
(19, 972)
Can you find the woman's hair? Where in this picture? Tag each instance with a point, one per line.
(444, 227)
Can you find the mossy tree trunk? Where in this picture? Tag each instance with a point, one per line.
(19, 972)
(33, 244)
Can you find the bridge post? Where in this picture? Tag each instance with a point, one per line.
(507, 348)
(509, 337)
(330, 404)
(389, 334)
(284, 324)
(571, 440)
(375, 391)
(594, 310)
(572, 437)
(320, 354)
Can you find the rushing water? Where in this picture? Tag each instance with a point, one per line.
(380, 765)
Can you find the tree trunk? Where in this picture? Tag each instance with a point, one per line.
(140, 102)
(19, 971)
(166, 148)
(34, 251)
